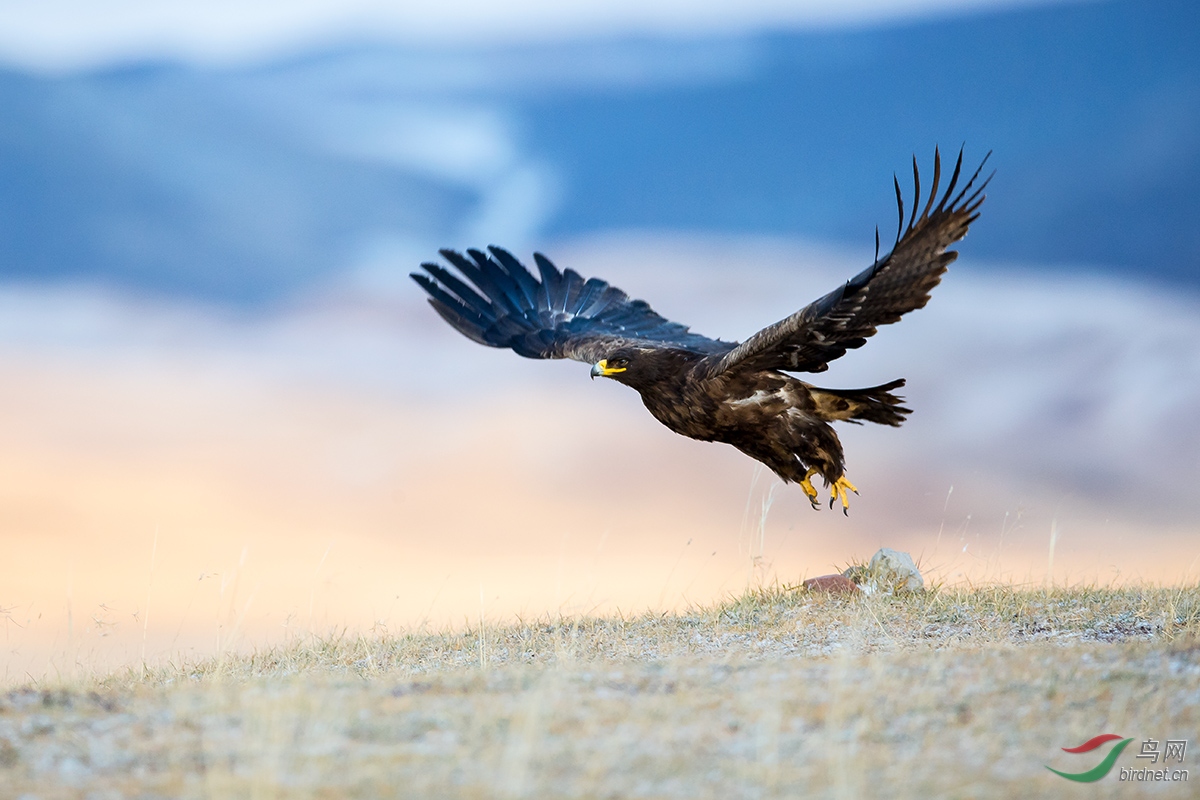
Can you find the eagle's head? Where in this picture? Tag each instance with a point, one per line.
(615, 365)
(641, 367)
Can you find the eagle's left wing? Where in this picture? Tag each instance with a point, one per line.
(559, 316)
(843, 319)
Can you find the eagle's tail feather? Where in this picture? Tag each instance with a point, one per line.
(875, 404)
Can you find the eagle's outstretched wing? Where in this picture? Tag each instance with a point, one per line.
(560, 316)
(843, 319)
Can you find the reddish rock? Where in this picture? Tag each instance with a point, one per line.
(833, 584)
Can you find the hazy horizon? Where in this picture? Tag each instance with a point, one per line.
(280, 483)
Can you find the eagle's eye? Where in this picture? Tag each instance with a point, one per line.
(618, 363)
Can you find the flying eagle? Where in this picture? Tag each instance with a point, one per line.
(707, 389)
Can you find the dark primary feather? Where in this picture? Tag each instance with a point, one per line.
(560, 316)
(843, 319)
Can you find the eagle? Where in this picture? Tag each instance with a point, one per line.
(743, 394)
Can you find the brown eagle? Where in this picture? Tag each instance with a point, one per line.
(705, 388)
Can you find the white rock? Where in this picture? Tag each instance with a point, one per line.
(888, 572)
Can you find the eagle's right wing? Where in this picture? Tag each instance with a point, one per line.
(560, 316)
(894, 285)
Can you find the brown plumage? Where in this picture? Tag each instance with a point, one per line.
(707, 389)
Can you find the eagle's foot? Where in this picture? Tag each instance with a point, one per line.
(809, 490)
(838, 492)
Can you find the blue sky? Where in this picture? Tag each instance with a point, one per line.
(1093, 112)
(248, 179)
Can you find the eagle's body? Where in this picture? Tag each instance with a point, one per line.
(768, 415)
(707, 389)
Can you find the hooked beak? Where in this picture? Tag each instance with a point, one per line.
(601, 368)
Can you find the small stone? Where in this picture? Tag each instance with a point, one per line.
(888, 572)
(832, 584)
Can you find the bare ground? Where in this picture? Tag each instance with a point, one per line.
(960, 692)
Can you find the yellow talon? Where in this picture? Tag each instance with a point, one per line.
(808, 489)
(838, 492)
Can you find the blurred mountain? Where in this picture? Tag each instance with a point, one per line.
(244, 185)
(166, 179)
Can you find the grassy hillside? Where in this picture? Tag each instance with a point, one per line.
(954, 693)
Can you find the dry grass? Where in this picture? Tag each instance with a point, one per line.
(960, 692)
